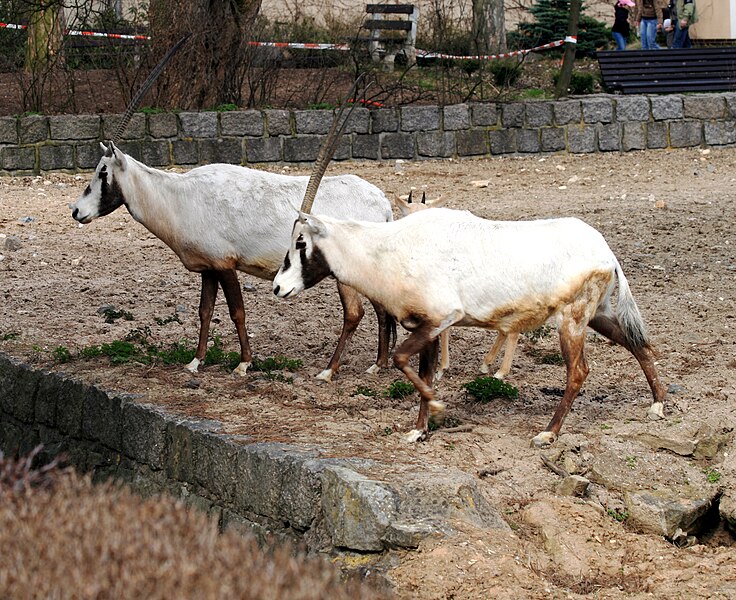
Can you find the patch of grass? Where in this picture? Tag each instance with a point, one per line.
(111, 314)
(321, 106)
(276, 363)
(10, 336)
(362, 390)
(618, 515)
(62, 354)
(178, 353)
(151, 110)
(712, 475)
(485, 389)
(605, 426)
(170, 319)
(227, 107)
(631, 462)
(399, 389)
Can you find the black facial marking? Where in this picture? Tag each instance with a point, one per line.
(111, 196)
(314, 268)
(300, 243)
(87, 191)
(287, 263)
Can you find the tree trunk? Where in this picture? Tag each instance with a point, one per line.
(210, 69)
(569, 57)
(45, 38)
(489, 27)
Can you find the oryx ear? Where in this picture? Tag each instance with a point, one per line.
(314, 225)
(106, 150)
(401, 202)
(119, 156)
(437, 202)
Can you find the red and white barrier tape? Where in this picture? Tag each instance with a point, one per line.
(117, 36)
(307, 46)
(425, 54)
(303, 46)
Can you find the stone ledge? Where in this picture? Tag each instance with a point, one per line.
(332, 505)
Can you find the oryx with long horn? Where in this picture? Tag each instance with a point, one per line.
(221, 218)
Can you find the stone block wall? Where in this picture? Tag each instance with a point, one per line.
(601, 123)
(268, 488)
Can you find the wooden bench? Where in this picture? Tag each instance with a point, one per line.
(393, 30)
(667, 71)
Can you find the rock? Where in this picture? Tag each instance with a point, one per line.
(574, 485)
(662, 492)
(12, 243)
(664, 513)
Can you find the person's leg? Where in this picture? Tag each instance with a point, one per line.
(653, 45)
(643, 34)
(620, 40)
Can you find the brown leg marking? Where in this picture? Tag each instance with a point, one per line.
(353, 312)
(386, 335)
(417, 342)
(233, 295)
(610, 328)
(445, 350)
(207, 298)
(572, 344)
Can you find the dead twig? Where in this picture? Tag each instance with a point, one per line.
(553, 467)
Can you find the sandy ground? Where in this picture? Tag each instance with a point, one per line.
(667, 215)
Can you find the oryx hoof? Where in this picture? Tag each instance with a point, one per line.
(436, 408)
(241, 369)
(415, 436)
(326, 375)
(544, 439)
(656, 411)
(438, 374)
(193, 366)
(484, 368)
(373, 369)
(499, 375)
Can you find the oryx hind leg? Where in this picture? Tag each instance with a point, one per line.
(386, 338)
(353, 312)
(609, 327)
(231, 288)
(207, 297)
(485, 366)
(512, 339)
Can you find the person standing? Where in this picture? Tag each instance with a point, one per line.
(621, 27)
(648, 18)
(686, 15)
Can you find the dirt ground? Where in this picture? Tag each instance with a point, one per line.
(668, 216)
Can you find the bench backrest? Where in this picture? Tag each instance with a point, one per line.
(668, 71)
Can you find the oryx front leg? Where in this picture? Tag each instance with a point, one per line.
(234, 297)
(207, 297)
(353, 312)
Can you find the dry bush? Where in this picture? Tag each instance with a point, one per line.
(62, 537)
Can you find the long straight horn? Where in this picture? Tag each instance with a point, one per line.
(327, 151)
(146, 86)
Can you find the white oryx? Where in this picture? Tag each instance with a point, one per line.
(439, 268)
(509, 340)
(220, 219)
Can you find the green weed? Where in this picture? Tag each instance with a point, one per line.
(362, 390)
(10, 336)
(170, 319)
(276, 363)
(62, 354)
(399, 389)
(111, 314)
(618, 515)
(712, 475)
(485, 389)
